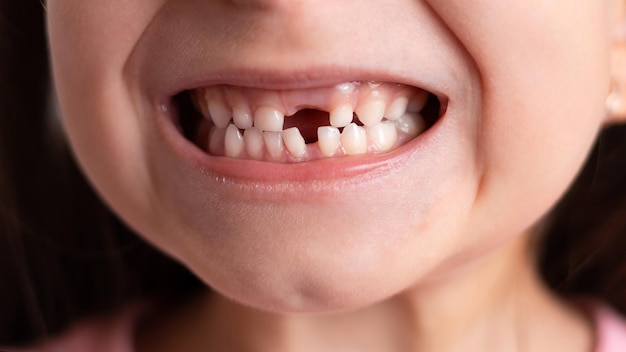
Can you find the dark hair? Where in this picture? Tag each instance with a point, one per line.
(584, 250)
(64, 256)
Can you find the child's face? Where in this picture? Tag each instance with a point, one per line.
(522, 86)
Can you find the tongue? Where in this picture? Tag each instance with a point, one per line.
(307, 121)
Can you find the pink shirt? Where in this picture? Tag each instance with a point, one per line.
(610, 330)
(116, 334)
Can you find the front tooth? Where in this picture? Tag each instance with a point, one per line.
(328, 140)
(217, 140)
(382, 136)
(397, 108)
(371, 112)
(411, 123)
(417, 102)
(341, 116)
(354, 140)
(234, 142)
(219, 111)
(269, 119)
(253, 140)
(274, 144)
(294, 142)
(242, 117)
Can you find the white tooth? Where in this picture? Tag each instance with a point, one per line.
(269, 119)
(341, 116)
(371, 111)
(354, 140)
(397, 108)
(242, 117)
(216, 141)
(234, 142)
(328, 140)
(253, 140)
(294, 142)
(274, 144)
(411, 123)
(417, 102)
(382, 136)
(220, 112)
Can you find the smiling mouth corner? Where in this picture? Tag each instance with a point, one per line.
(301, 125)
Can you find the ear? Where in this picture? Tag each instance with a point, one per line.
(616, 101)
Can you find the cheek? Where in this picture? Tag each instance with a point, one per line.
(90, 42)
(544, 80)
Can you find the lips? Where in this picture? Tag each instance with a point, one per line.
(234, 130)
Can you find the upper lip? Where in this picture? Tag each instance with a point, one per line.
(302, 79)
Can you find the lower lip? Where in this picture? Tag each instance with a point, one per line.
(318, 174)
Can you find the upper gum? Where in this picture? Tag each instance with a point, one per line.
(289, 102)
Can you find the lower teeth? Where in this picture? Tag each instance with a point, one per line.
(290, 146)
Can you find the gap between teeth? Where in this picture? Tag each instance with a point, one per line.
(389, 116)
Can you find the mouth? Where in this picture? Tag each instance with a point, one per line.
(342, 121)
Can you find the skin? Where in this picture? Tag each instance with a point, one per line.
(431, 248)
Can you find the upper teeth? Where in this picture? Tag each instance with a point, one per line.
(268, 119)
(250, 122)
(371, 111)
(341, 116)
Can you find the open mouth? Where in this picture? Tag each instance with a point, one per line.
(289, 126)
